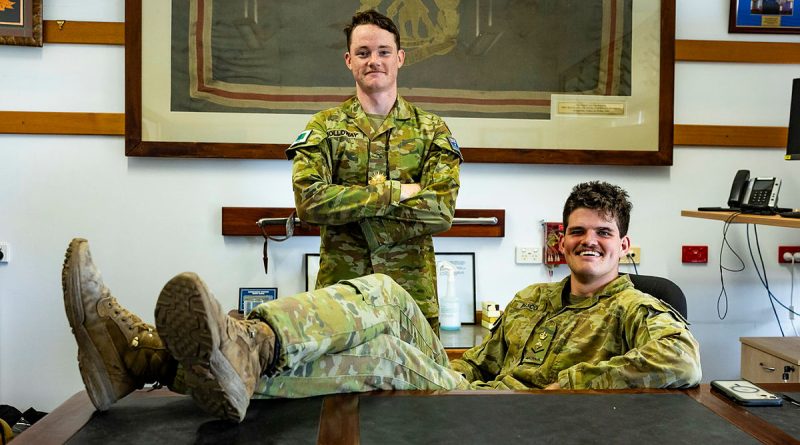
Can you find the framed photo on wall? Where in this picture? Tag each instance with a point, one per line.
(764, 16)
(312, 269)
(250, 297)
(591, 84)
(464, 282)
(21, 22)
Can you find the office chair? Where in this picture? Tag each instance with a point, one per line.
(662, 289)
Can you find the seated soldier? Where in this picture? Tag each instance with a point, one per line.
(591, 330)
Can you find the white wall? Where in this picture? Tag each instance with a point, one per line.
(148, 219)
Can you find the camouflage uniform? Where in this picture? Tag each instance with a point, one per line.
(621, 338)
(346, 179)
(367, 333)
(359, 335)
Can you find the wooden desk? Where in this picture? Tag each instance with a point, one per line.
(339, 414)
(766, 220)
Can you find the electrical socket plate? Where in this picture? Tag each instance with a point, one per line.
(5, 252)
(528, 255)
(636, 251)
(787, 249)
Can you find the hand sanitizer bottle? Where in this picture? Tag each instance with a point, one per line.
(449, 316)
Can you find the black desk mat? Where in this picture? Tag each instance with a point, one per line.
(177, 420)
(786, 417)
(543, 418)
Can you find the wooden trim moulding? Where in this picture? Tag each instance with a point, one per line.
(113, 124)
(97, 33)
(736, 52)
(731, 136)
(46, 122)
(241, 221)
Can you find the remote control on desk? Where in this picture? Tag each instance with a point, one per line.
(790, 214)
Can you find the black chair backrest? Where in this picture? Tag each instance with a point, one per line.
(662, 289)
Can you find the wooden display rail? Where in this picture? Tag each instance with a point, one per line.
(765, 220)
(97, 33)
(241, 221)
(49, 122)
(736, 52)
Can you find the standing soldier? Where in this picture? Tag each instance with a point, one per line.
(377, 174)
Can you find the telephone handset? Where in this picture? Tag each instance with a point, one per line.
(738, 189)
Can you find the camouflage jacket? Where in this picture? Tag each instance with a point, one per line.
(346, 179)
(621, 338)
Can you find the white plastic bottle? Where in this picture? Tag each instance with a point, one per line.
(449, 315)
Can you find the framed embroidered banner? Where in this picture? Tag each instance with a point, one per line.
(21, 22)
(532, 81)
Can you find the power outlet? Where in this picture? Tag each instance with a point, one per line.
(791, 250)
(634, 256)
(528, 255)
(5, 253)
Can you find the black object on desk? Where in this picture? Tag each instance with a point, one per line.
(790, 214)
(717, 209)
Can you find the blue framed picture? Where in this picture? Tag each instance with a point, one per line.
(764, 16)
(250, 297)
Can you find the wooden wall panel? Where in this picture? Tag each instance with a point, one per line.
(98, 33)
(44, 122)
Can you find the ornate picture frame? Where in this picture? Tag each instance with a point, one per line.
(21, 22)
(764, 16)
(635, 128)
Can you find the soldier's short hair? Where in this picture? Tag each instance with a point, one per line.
(609, 200)
(372, 17)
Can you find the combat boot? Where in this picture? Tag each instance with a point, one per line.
(222, 357)
(117, 351)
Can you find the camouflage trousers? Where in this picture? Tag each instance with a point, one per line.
(358, 335)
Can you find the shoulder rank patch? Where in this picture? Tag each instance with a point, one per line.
(302, 137)
(453, 144)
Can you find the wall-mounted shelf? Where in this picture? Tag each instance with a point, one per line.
(241, 221)
(766, 220)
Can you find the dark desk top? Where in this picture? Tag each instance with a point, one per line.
(625, 416)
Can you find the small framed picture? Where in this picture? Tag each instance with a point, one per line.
(250, 297)
(764, 16)
(312, 268)
(464, 281)
(21, 22)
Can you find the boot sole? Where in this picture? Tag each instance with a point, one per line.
(90, 360)
(185, 322)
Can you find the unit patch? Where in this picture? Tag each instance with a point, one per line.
(301, 138)
(455, 147)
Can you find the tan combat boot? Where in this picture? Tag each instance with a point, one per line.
(117, 351)
(222, 357)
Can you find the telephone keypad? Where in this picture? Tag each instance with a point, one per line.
(759, 197)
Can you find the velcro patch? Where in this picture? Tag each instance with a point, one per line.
(453, 143)
(301, 138)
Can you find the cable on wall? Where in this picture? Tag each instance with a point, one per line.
(723, 293)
